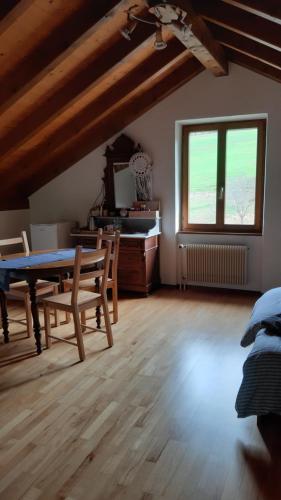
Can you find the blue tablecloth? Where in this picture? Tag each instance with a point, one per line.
(6, 266)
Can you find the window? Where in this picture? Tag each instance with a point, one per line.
(223, 177)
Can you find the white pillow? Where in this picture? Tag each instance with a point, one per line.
(269, 304)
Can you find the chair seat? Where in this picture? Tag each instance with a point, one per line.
(21, 288)
(63, 300)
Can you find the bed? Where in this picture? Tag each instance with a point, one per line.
(260, 390)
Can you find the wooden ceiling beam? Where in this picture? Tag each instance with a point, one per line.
(13, 202)
(195, 35)
(102, 107)
(254, 65)
(74, 89)
(246, 46)
(165, 85)
(10, 11)
(244, 23)
(63, 43)
(28, 25)
(270, 9)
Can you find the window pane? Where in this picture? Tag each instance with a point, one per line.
(202, 180)
(240, 181)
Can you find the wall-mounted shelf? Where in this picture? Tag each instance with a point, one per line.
(131, 225)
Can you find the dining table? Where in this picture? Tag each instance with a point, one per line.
(41, 264)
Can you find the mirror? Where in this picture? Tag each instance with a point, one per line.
(124, 185)
(119, 183)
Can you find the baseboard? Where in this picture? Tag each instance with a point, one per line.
(212, 289)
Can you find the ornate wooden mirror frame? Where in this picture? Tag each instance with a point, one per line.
(121, 150)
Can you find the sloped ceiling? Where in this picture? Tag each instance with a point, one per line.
(69, 80)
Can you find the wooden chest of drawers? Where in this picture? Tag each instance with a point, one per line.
(138, 267)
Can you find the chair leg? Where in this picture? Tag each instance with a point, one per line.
(56, 312)
(78, 334)
(67, 317)
(29, 322)
(115, 302)
(47, 326)
(83, 320)
(107, 321)
(56, 316)
(66, 288)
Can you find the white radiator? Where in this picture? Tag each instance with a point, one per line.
(212, 264)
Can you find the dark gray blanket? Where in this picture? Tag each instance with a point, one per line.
(272, 325)
(260, 391)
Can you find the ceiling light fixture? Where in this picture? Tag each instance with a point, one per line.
(128, 30)
(133, 21)
(166, 14)
(159, 43)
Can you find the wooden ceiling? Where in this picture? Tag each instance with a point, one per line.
(70, 80)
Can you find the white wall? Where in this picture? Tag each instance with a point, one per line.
(70, 195)
(12, 222)
(241, 93)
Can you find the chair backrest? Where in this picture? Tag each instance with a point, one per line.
(89, 259)
(115, 239)
(21, 240)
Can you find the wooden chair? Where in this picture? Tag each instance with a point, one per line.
(78, 301)
(20, 289)
(87, 279)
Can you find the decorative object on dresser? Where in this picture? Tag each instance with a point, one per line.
(141, 165)
(145, 209)
(78, 301)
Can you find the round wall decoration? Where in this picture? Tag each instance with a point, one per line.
(141, 165)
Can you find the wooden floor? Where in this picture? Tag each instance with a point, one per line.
(151, 418)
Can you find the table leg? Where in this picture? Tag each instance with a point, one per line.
(35, 315)
(4, 316)
(98, 313)
(62, 276)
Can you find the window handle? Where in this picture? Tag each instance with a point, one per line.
(221, 193)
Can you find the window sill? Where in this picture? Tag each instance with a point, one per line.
(219, 233)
